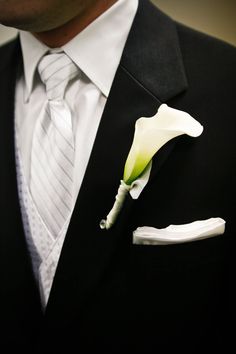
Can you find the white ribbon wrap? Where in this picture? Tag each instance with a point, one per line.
(134, 189)
(119, 200)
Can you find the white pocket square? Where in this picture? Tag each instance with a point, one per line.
(193, 231)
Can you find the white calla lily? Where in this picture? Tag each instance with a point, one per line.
(150, 135)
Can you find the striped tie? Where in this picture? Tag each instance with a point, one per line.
(52, 156)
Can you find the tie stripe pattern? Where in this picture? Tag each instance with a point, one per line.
(52, 156)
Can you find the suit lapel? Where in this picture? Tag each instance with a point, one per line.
(87, 249)
(19, 291)
(137, 91)
(152, 54)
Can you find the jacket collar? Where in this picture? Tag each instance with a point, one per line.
(152, 55)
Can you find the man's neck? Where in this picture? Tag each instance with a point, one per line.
(59, 36)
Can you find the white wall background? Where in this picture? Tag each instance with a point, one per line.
(216, 17)
(6, 33)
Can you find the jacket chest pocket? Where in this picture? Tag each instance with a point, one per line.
(183, 276)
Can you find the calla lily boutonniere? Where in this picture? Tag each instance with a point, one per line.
(150, 135)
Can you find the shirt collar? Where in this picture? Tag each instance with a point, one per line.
(96, 50)
(32, 51)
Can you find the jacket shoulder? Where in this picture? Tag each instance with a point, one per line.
(210, 65)
(205, 50)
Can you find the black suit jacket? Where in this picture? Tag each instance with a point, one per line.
(109, 295)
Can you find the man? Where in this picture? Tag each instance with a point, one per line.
(96, 291)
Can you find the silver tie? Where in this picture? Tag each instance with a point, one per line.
(52, 156)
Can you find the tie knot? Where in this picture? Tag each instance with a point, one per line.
(56, 70)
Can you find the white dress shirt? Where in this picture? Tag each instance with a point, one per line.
(97, 52)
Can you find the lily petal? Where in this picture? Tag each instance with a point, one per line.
(152, 133)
